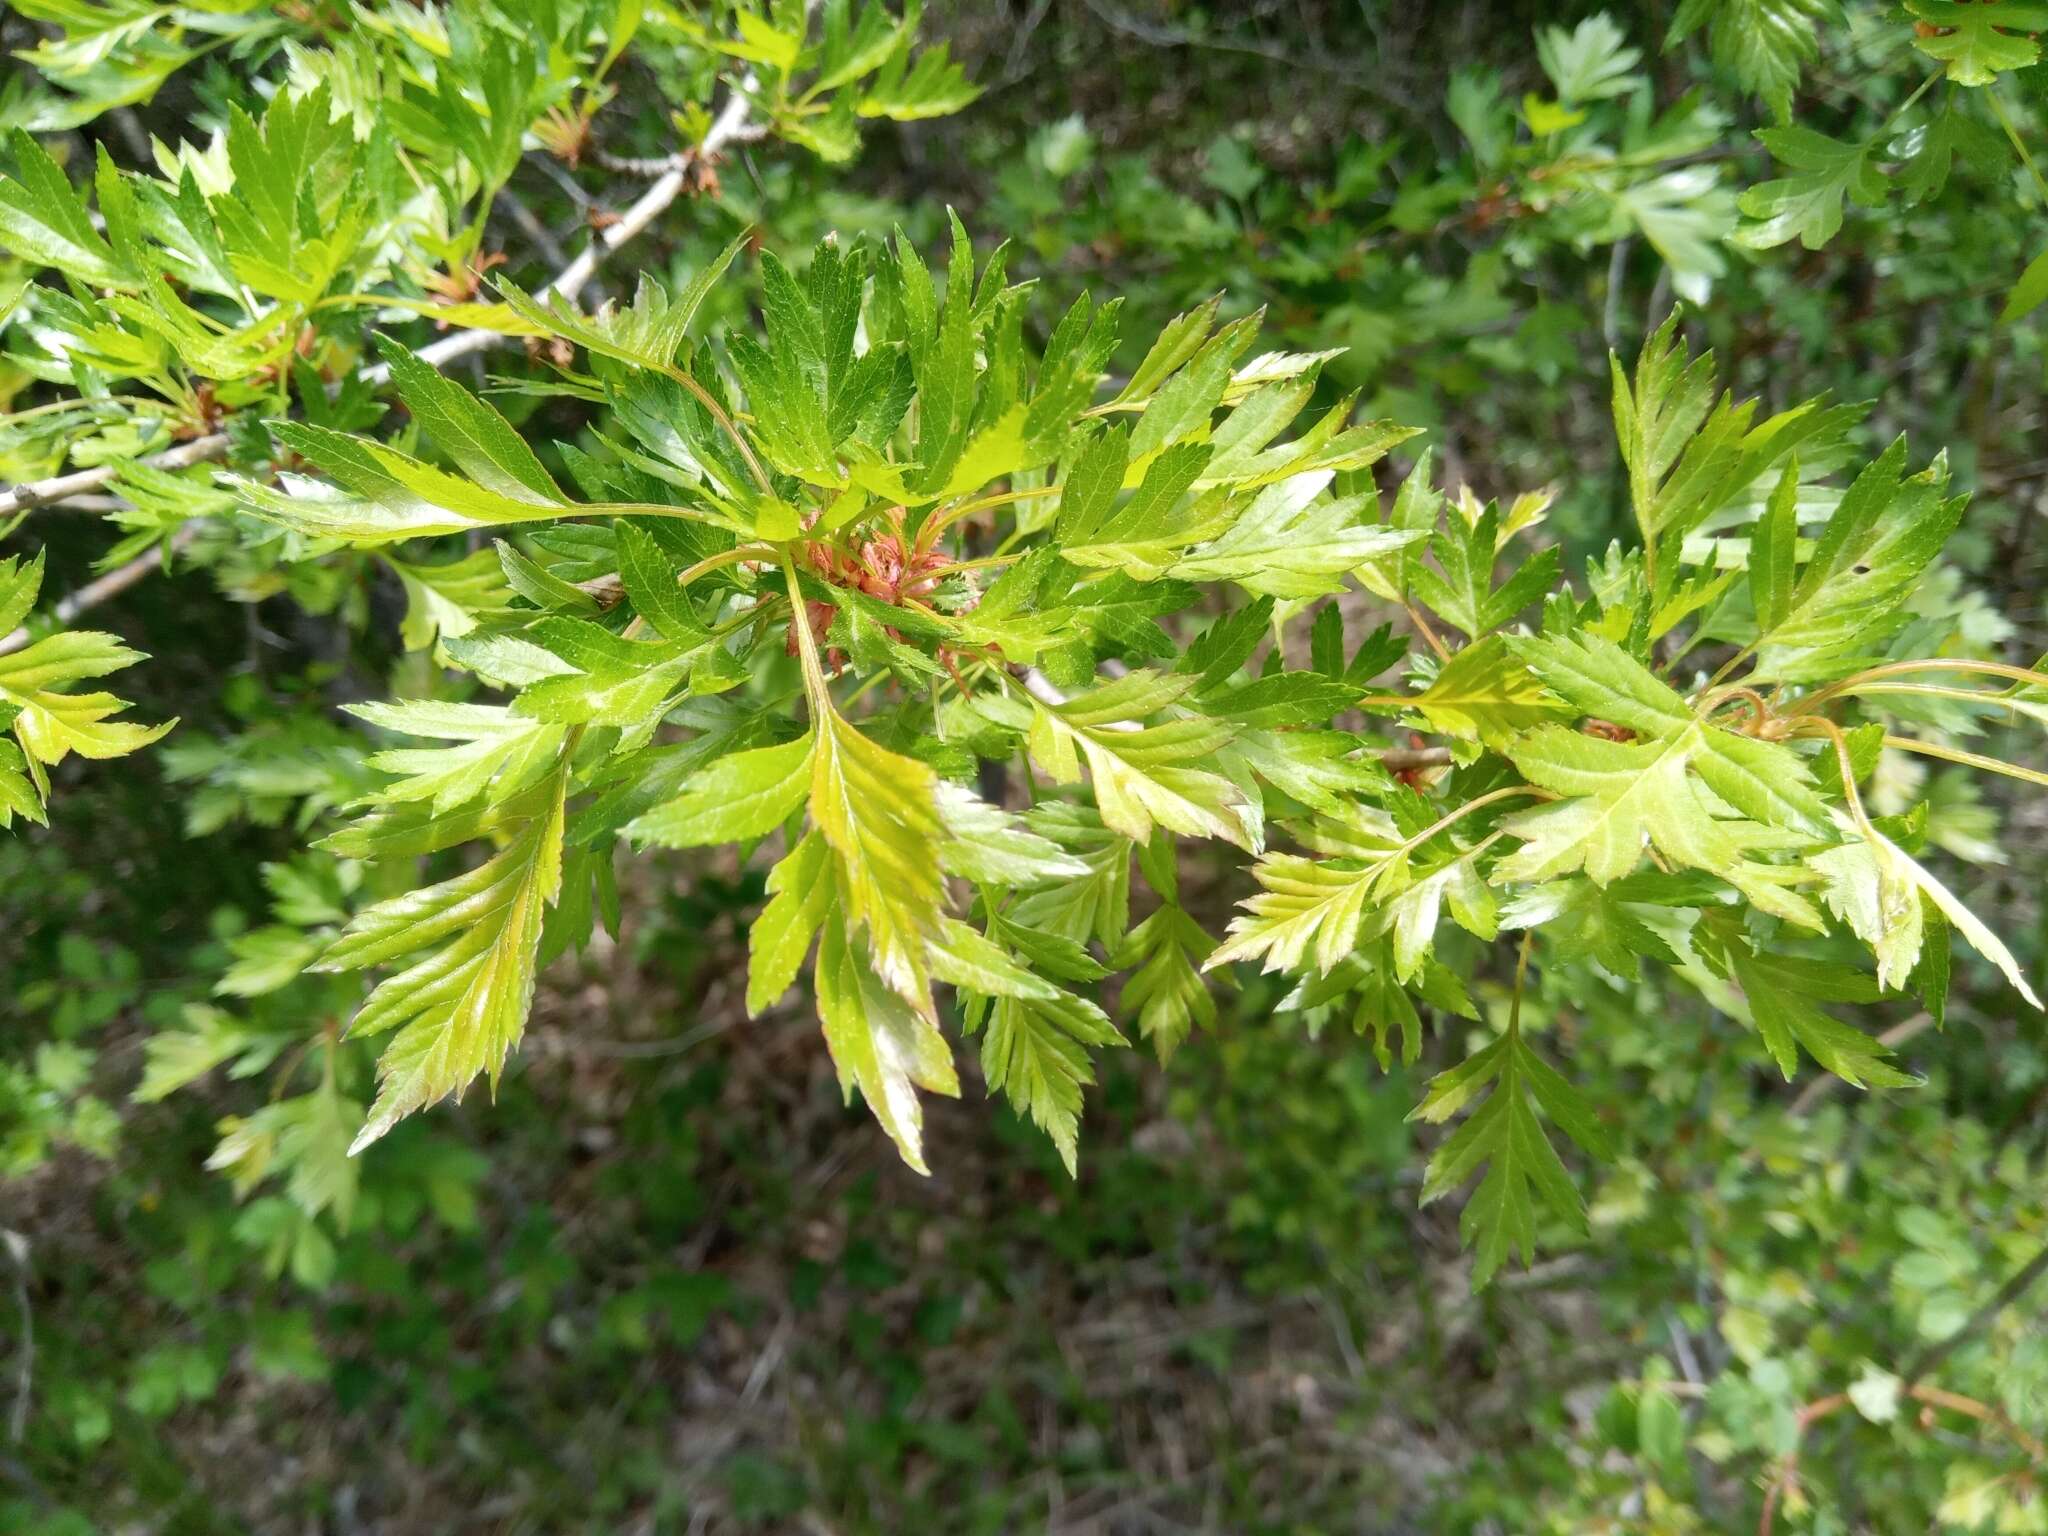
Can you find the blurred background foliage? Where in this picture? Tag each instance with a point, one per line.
(669, 1283)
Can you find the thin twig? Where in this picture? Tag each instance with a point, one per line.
(531, 226)
(732, 125)
(1407, 759)
(1787, 1474)
(112, 584)
(25, 1371)
(639, 165)
(1175, 37)
(37, 493)
(1610, 315)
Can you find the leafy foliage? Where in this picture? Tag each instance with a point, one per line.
(813, 488)
(49, 720)
(813, 492)
(950, 654)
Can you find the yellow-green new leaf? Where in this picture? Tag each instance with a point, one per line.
(1306, 907)
(1877, 888)
(460, 1009)
(1765, 781)
(800, 895)
(647, 333)
(1483, 693)
(382, 495)
(879, 811)
(498, 750)
(1302, 906)
(1620, 797)
(18, 794)
(880, 1043)
(742, 796)
(989, 846)
(50, 723)
(1144, 777)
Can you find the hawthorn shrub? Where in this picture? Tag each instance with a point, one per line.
(993, 625)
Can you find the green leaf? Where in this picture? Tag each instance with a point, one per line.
(174, 1058)
(267, 959)
(1979, 42)
(1418, 508)
(1617, 798)
(1292, 543)
(18, 794)
(743, 796)
(989, 846)
(1504, 1133)
(881, 1043)
(2028, 293)
(1034, 1051)
(1688, 456)
(1185, 402)
(1301, 903)
(647, 333)
(450, 599)
(1592, 62)
(650, 579)
(1324, 770)
(1145, 776)
(1280, 700)
(906, 91)
(1808, 204)
(1660, 1428)
(1764, 44)
(627, 683)
(1483, 693)
(966, 958)
(1879, 891)
(539, 585)
(51, 723)
(1930, 150)
(499, 750)
(800, 896)
(1765, 781)
(1461, 588)
(1883, 535)
(879, 811)
(1582, 921)
(306, 1138)
(1784, 994)
(381, 494)
(20, 584)
(1180, 340)
(469, 430)
(459, 1010)
(1305, 906)
(1147, 534)
(1413, 914)
(1165, 954)
(45, 222)
(1329, 445)
(1092, 906)
(1773, 551)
